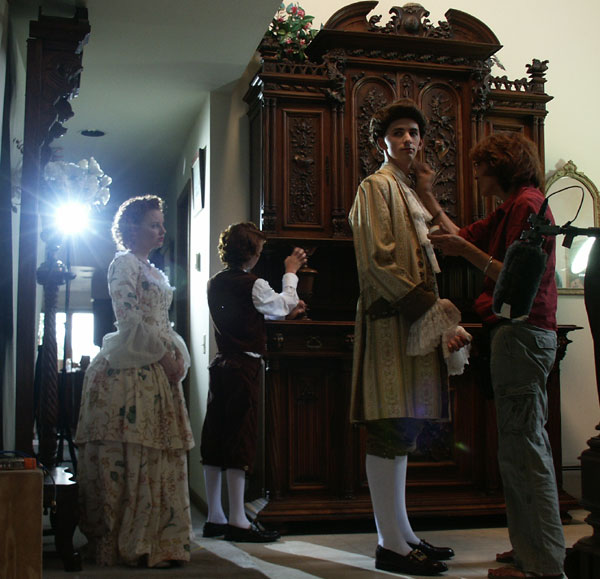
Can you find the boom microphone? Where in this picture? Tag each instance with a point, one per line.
(520, 278)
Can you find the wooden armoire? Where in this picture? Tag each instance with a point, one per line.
(309, 151)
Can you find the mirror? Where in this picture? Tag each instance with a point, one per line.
(571, 262)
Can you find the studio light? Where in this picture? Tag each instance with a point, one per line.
(72, 218)
(580, 261)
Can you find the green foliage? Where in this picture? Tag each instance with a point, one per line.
(291, 27)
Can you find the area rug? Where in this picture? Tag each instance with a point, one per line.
(203, 563)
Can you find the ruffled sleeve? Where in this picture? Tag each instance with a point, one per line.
(271, 304)
(135, 343)
(437, 326)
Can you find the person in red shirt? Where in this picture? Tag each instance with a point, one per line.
(522, 353)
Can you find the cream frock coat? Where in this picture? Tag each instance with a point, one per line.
(387, 383)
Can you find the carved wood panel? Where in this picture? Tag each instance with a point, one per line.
(444, 141)
(309, 427)
(305, 169)
(369, 94)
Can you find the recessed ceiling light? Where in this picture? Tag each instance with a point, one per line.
(92, 133)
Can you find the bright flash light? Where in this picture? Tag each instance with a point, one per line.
(72, 217)
(581, 257)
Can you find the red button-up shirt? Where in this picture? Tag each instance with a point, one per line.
(495, 233)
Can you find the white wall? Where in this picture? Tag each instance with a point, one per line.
(534, 29)
(222, 127)
(527, 30)
(199, 317)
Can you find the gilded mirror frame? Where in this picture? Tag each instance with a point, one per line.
(569, 170)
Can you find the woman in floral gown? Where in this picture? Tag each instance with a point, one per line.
(133, 432)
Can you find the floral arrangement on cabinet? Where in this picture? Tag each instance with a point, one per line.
(291, 29)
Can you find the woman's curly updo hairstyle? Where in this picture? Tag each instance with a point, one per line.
(129, 215)
(401, 109)
(512, 158)
(239, 243)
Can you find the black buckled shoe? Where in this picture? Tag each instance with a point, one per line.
(437, 553)
(214, 529)
(254, 534)
(415, 563)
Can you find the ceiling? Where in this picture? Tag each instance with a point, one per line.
(147, 68)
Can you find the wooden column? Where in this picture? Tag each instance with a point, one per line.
(54, 53)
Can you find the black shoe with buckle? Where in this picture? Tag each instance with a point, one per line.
(437, 553)
(254, 534)
(415, 563)
(214, 529)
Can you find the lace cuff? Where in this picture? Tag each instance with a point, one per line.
(425, 333)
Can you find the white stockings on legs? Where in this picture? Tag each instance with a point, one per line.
(236, 486)
(212, 480)
(387, 485)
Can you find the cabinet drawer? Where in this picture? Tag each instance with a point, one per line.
(308, 337)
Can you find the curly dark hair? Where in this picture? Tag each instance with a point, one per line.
(129, 215)
(401, 109)
(239, 242)
(512, 158)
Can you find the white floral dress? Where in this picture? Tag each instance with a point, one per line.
(133, 432)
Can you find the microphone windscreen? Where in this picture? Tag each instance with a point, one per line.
(519, 280)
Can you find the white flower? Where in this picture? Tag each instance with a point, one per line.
(84, 181)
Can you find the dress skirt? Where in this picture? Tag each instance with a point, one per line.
(133, 436)
(135, 503)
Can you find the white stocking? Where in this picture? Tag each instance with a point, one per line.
(236, 485)
(383, 486)
(401, 514)
(212, 480)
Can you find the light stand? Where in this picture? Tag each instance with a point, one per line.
(51, 274)
(64, 427)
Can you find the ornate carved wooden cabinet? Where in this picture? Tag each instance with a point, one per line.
(309, 152)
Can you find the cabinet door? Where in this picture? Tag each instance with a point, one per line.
(307, 428)
(368, 93)
(446, 106)
(300, 183)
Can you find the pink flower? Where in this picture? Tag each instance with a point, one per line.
(288, 40)
(294, 9)
(301, 13)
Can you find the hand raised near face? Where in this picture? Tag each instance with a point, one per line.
(424, 176)
(295, 260)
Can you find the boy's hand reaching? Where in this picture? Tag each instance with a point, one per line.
(295, 261)
(297, 312)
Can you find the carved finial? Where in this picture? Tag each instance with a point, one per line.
(536, 71)
(408, 18)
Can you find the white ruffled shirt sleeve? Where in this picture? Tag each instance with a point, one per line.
(136, 343)
(275, 305)
(437, 325)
